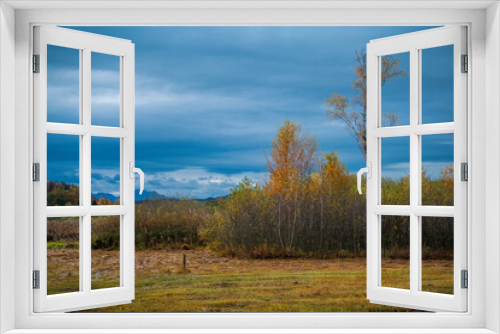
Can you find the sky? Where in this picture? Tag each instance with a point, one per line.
(209, 101)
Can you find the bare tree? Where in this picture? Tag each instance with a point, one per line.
(352, 109)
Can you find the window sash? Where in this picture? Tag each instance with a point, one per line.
(87, 43)
(413, 43)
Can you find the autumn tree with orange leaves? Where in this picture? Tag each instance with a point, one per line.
(291, 165)
(292, 159)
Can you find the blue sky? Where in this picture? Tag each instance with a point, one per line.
(209, 100)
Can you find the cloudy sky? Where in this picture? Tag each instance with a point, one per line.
(209, 100)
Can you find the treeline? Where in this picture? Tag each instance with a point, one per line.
(308, 206)
(159, 224)
(64, 194)
(318, 215)
(171, 223)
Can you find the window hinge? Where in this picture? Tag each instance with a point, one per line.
(464, 171)
(465, 279)
(36, 63)
(36, 279)
(465, 64)
(36, 172)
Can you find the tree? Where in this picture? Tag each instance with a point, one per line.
(62, 193)
(352, 109)
(291, 165)
(292, 158)
(103, 201)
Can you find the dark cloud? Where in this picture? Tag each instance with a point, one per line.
(210, 99)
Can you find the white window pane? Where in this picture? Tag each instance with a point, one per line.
(395, 82)
(395, 251)
(395, 170)
(63, 84)
(105, 171)
(437, 254)
(63, 255)
(437, 85)
(63, 170)
(105, 99)
(437, 169)
(105, 252)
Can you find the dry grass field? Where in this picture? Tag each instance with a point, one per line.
(212, 283)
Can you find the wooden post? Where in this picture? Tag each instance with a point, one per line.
(183, 261)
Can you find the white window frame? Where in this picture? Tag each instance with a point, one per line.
(414, 43)
(482, 19)
(86, 44)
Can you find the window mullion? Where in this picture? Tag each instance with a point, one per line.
(85, 177)
(67, 129)
(434, 129)
(414, 172)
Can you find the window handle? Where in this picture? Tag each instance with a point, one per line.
(134, 170)
(368, 171)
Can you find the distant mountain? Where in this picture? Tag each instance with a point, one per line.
(112, 198)
(148, 195)
(211, 198)
(145, 195)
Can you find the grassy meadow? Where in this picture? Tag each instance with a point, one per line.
(214, 283)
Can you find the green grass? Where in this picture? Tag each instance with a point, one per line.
(219, 284)
(62, 245)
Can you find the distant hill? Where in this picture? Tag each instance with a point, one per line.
(211, 199)
(112, 198)
(145, 195)
(61, 193)
(154, 195)
(148, 195)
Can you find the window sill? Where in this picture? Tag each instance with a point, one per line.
(252, 331)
